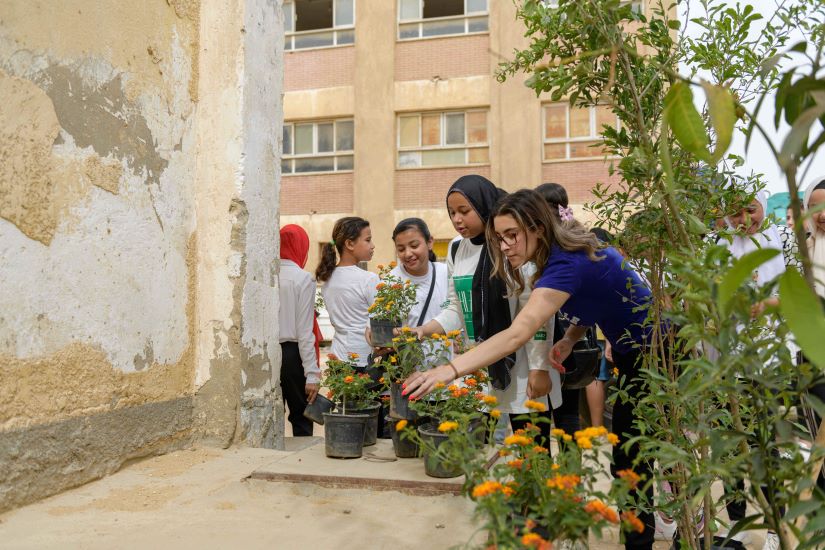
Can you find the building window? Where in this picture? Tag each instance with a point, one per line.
(570, 133)
(318, 147)
(318, 23)
(452, 138)
(422, 18)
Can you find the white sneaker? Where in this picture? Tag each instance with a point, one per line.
(771, 541)
(664, 530)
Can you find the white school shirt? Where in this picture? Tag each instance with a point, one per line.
(439, 296)
(459, 315)
(296, 315)
(348, 293)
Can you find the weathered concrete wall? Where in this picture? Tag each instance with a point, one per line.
(139, 177)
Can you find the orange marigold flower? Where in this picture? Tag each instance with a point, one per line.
(613, 439)
(464, 392)
(439, 385)
(610, 515)
(354, 356)
(555, 467)
(564, 482)
(348, 379)
(380, 266)
(495, 413)
(455, 394)
(615, 371)
(533, 540)
(381, 380)
(487, 488)
(489, 400)
(517, 439)
(538, 449)
(332, 357)
(529, 525)
(393, 264)
(516, 464)
(535, 406)
(452, 387)
(380, 286)
(330, 393)
(504, 452)
(630, 476)
(633, 522)
(447, 426)
(400, 425)
(472, 382)
(397, 286)
(508, 491)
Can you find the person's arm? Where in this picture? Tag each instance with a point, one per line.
(561, 350)
(304, 318)
(543, 304)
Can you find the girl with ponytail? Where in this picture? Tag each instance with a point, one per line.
(347, 289)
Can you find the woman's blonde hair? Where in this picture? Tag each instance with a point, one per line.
(532, 213)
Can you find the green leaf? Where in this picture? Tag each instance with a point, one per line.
(695, 225)
(797, 138)
(803, 508)
(674, 24)
(684, 119)
(722, 109)
(741, 270)
(803, 312)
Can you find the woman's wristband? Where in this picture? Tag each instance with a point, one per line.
(455, 370)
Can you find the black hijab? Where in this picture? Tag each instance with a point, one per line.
(491, 308)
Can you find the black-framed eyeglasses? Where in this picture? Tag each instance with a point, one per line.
(510, 238)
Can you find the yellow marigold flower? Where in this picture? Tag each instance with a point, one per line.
(410, 340)
(406, 329)
(508, 491)
(495, 413)
(447, 426)
(584, 443)
(452, 387)
(393, 359)
(535, 406)
(381, 380)
(567, 437)
(396, 339)
(516, 439)
(600, 431)
(564, 482)
(557, 432)
(615, 371)
(613, 439)
(489, 400)
(504, 452)
(400, 425)
(538, 449)
(439, 385)
(555, 467)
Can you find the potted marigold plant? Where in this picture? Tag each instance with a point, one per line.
(409, 355)
(531, 499)
(393, 302)
(354, 422)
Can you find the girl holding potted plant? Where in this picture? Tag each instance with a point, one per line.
(479, 304)
(588, 283)
(347, 289)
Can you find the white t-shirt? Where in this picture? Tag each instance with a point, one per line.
(347, 294)
(534, 355)
(438, 298)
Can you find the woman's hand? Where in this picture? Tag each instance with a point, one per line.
(418, 331)
(419, 384)
(538, 384)
(561, 350)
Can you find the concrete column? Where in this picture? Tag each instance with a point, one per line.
(515, 112)
(240, 123)
(375, 32)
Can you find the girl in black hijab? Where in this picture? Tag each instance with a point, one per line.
(479, 303)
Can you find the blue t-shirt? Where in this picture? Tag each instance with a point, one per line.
(607, 293)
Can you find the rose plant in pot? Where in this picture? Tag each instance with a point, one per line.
(354, 421)
(393, 302)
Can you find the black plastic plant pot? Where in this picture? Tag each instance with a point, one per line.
(344, 434)
(315, 410)
(403, 447)
(400, 404)
(434, 466)
(382, 332)
(371, 410)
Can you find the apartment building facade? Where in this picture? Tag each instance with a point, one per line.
(387, 102)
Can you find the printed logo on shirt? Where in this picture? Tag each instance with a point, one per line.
(541, 336)
(464, 290)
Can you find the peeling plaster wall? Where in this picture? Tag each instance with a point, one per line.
(139, 180)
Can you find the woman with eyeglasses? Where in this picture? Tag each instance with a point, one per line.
(589, 284)
(481, 305)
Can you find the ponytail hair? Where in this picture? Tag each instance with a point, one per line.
(345, 229)
(416, 224)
